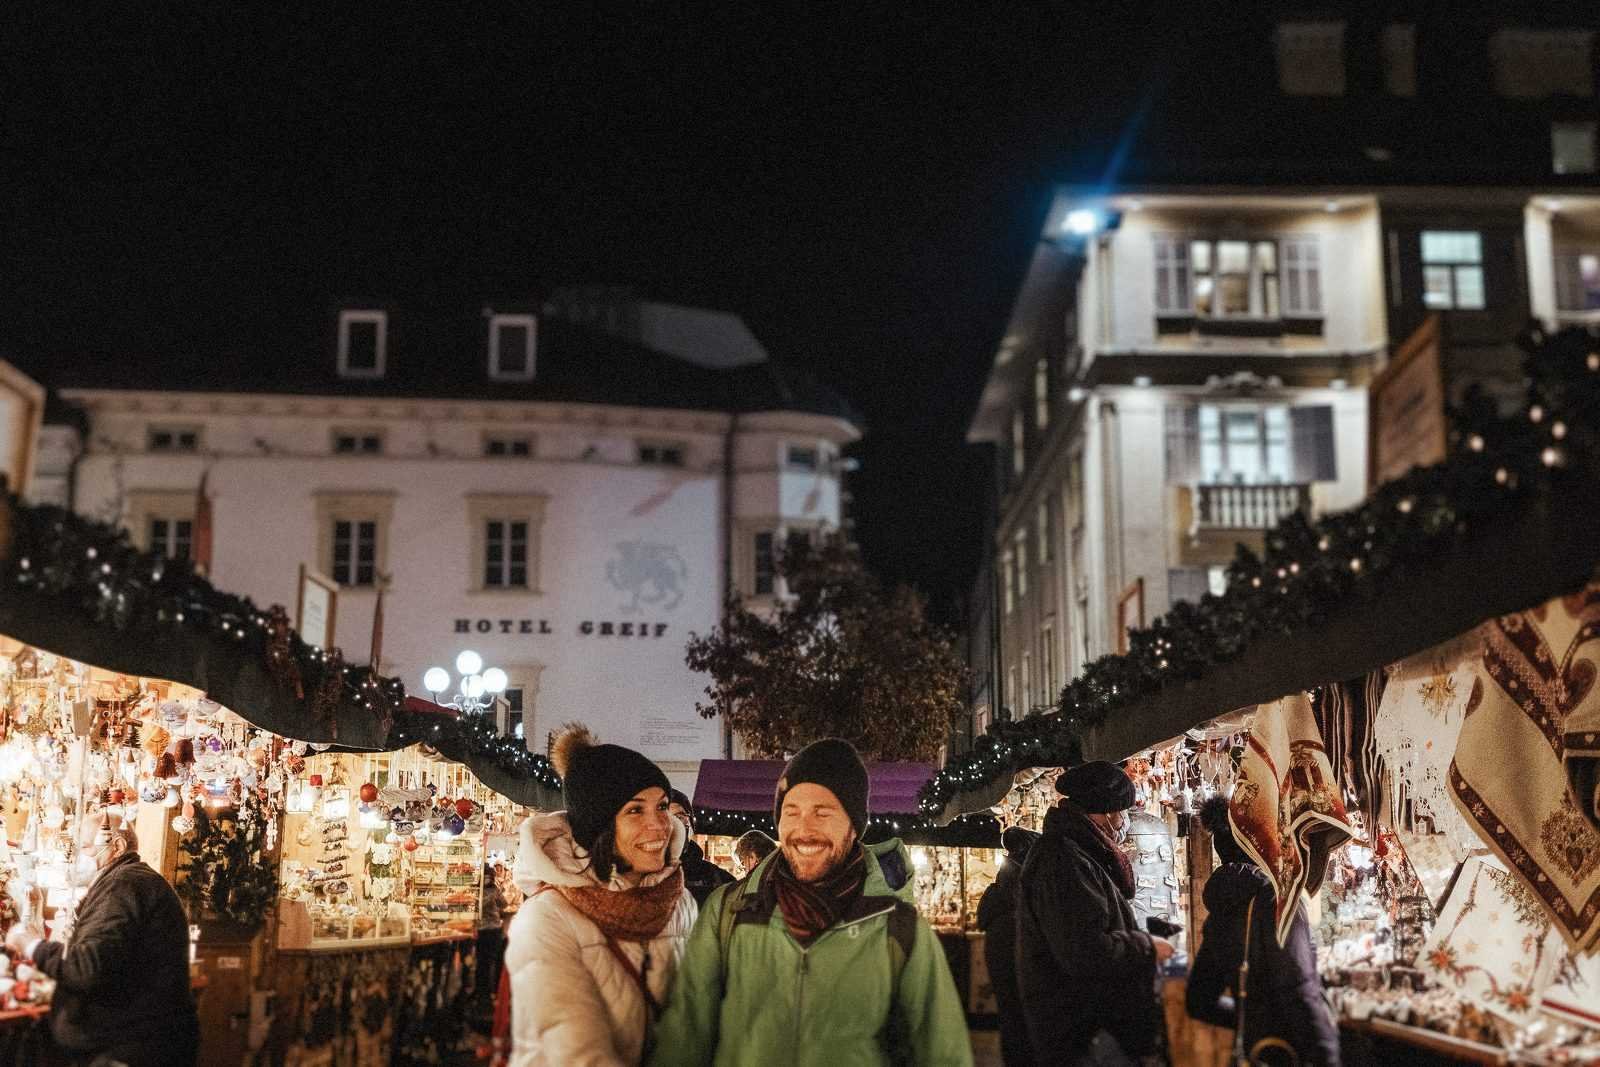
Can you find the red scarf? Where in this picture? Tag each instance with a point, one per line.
(628, 914)
(809, 908)
(1100, 845)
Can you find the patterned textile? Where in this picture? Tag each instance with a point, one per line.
(1494, 944)
(1575, 996)
(1424, 707)
(1286, 811)
(1581, 756)
(1346, 715)
(1507, 777)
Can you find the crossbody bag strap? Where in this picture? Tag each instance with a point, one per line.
(1240, 994)
(639, 977)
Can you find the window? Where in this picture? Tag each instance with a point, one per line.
(1022, 562)
(1531, 64)
(1045, 551)
(1027, 684)
(500, 445)
(1302, 277)
(1041, 394)
(1311, 58)
(355, 552)
(1398, 44)
(1244, 446)
(173, 439)
(1235, 279)
(766, 563)
(660, 454)
(172, 538)
(1012, 697)
(1572, 147)
(1172, 276)
(1018, 444)
(505, 554)
(801, 458)
(1578, 280)
(357, 442)
(1008, 582)
(514, 725)
(363, 343)
(1452, 269)
(505, 541)
(511, 347)
(1047, 665)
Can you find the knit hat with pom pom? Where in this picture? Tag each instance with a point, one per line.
(597, 780)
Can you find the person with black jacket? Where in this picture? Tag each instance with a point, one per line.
(1283, 995)
(122, 994)
(997, 918)
(700, 875)
(1085, 971)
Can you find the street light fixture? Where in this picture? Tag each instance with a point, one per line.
(475, 692)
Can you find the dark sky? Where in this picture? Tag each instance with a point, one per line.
(863, 188)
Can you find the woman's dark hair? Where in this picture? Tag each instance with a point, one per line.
(1214, 816)
(603, 858)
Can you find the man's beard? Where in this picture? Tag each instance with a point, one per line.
(815, 868)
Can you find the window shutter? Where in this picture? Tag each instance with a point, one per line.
(1311, 430)
(1569, 287)
(1302, 269)
(1183, 445)
(1172, 275)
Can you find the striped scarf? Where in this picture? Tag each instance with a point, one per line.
(809, 908)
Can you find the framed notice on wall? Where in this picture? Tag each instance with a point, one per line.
(1407, 423)
(1130, 613)
(316, 608)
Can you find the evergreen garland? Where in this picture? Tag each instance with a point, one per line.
(1499, 468)
(228, 873)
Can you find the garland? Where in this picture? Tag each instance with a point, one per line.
(1498, 468)
(228, 873)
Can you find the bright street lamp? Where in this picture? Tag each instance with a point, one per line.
(477, 688)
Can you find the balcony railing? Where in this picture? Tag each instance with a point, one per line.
(1249, 507)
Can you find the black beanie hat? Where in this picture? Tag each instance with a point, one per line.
(1214, 816)
(835, 765)
(1097, 787)
(678, 797)
(597, 780)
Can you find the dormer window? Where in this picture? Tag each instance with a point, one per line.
(363, 343)
(173, 439)
(511, 347)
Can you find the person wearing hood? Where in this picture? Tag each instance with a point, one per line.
(1085, 971)
(1283, 995)
(592, 952)
(997, 918)
(818, 957)
(700, 875)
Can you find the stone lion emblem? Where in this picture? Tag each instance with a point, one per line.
(654, 574)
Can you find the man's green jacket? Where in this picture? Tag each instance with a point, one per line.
(835, 1003)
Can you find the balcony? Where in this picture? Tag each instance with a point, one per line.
(1249, 507)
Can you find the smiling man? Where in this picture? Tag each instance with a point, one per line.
(818, 956)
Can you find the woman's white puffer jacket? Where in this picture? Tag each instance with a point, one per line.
(572, 1003)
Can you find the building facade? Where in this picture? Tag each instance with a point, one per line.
(1189, 357)
(557, 497)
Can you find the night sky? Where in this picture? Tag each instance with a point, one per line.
(863, 188)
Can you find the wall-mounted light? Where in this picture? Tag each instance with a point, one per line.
(1142, 381)
(1081, 222)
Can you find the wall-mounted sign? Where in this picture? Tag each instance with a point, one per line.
(316, 608)
(584, 628)
(1130, 613)
(1407, 423)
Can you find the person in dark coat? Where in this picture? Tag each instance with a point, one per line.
(997, 918)
(122, 983)
(1085, 971)
(700, 875)
(1283, 993)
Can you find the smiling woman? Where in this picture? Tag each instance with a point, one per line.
(592, 953)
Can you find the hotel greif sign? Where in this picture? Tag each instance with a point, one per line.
(1408, 423)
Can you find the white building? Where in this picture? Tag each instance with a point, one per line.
(1188, 358)
(566, 502)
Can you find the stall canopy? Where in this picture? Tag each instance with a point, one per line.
(78, 588)
(1500, 526)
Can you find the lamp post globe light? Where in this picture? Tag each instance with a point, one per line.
(477, 689)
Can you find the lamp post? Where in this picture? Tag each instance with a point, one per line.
(477, 689)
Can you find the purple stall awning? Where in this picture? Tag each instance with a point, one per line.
(749, 785)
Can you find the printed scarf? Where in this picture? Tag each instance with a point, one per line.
(628, 914)
(1100, 845)
(809, 908)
